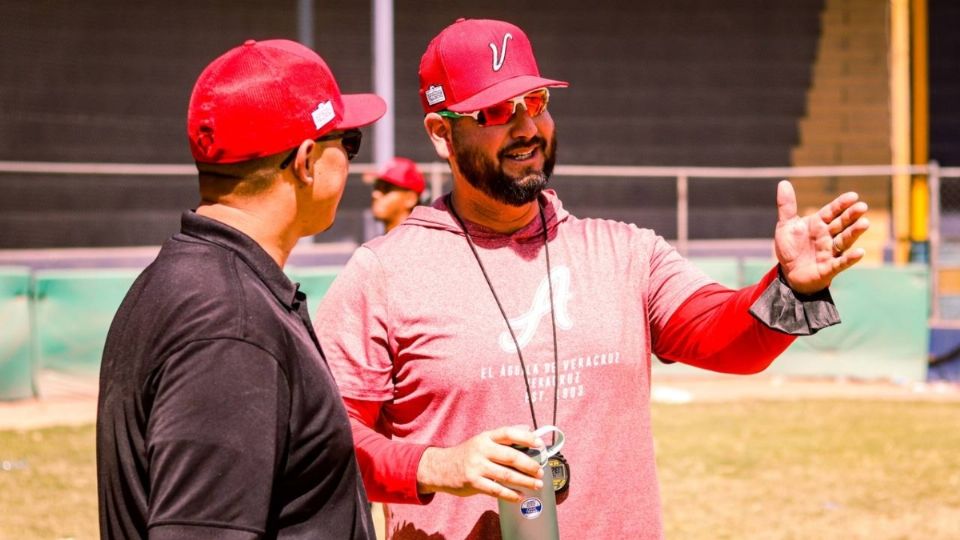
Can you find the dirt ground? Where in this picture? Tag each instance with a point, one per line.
(63, 401)
(71, 401)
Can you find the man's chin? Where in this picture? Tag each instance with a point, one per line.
(521, 193)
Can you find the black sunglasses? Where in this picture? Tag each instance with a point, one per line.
(350, 139)
(383, 186)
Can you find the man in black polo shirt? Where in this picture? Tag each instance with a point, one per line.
(218, 416)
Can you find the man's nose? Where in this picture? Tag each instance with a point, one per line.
(522, 125)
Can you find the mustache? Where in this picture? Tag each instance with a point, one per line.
(537, 140)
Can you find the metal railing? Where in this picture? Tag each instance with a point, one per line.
(438, 174)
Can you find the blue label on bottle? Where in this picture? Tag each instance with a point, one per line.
(531, 508)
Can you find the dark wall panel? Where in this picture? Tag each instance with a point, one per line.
(687, 82)
(944, 82)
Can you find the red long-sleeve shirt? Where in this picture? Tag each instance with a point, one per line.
(712, 329)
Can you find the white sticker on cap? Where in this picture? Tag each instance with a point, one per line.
(323, 115)
(435, 95)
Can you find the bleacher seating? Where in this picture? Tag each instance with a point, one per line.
(687, 82)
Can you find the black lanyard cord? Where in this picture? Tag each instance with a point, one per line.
(516, 343)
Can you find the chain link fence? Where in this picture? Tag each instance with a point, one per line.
(945, 245)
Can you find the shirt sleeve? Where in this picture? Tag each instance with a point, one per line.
(671, 280)
(389, 467)
(351, 324)
(215, 430)
(714, 329)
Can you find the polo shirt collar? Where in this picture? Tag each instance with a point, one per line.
(225, 236)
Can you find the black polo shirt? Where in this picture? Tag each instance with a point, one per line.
(218, 416)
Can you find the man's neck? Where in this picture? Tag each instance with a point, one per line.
(264, 230)
(476, 207)
(391, 223)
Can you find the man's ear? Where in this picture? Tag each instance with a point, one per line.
(302, 163)
(438, 129)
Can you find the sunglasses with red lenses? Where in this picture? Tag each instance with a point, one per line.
(534, 103)
(350, 139)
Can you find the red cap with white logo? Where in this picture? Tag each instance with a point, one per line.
(262, 98)
(476, 63)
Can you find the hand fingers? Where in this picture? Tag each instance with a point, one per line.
(836, 207)
(515, 459)
(846, 260)
(786, 201)
(506, 476)
(507, 467)
(849, 216)
(482, 474)
(518, 435)
(487, 486)
(846, 239)
(503, 454)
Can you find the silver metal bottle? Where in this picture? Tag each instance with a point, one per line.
(535, 516)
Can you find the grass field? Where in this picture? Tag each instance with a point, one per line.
(48, 484)
(815, 469)
(810, 470)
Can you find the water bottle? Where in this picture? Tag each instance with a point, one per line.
(535, 516)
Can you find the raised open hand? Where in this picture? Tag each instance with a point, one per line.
(813, 249)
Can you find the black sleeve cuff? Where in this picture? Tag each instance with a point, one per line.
(782, 309)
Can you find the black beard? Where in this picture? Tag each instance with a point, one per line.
(483, 174)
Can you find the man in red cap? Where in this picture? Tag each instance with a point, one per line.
(495, 310)
(396, 192)
(218, 417)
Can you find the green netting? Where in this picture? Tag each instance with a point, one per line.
(314, 281)
(884, 332)
(16, 367)
(726, 270)
(74, 309)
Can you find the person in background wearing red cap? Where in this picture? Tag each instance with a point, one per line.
(218, 417)
(495, 310)
(396, 192)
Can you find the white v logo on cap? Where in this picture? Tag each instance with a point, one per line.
(498, 62)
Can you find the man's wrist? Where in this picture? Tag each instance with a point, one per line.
(426, 486)
(801, 295)
(781, 308)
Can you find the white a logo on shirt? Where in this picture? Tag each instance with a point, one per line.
(498, 59)
(525, 326)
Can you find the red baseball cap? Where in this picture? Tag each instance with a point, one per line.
(264, 97)
(402, 172)
(475, 63)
